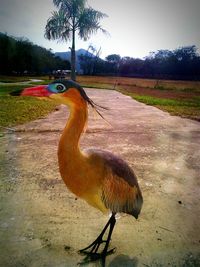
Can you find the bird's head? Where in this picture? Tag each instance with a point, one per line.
(63, 91)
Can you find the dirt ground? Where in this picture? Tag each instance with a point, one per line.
(164, 93)
(43, 224)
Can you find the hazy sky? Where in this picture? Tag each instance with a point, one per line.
(135, 27)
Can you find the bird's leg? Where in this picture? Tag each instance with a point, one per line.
(92, 253)
(99, 239)
(105, 250)
(112, 225)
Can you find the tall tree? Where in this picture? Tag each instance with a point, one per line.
(73, 16)
(114, 58)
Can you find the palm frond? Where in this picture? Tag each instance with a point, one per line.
(58, 27)
(88, 23)
(72, 8)
(73, 14)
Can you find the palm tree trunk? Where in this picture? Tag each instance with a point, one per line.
(73, 58)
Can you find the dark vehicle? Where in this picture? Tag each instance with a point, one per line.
(60, 74)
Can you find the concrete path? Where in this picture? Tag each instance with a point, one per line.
(43, 224)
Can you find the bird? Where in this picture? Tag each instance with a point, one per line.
(104, 180)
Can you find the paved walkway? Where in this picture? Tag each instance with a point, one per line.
(43, 224)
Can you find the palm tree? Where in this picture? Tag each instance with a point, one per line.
(73, 16)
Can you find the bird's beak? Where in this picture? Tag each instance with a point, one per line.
(38, 91)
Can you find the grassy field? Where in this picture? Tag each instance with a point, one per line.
(16, 110)
(180, 98)
(145, 83)
(18, 79)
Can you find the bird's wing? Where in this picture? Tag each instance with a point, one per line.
(120, 189)
(118, 196)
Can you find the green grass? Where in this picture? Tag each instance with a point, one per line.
(16, 110)
(7, 89)
(155, 101)
(188, 108)
(18, 79)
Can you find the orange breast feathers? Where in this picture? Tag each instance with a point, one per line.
(79, 171)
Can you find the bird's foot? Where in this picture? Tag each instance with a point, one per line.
(91, 251)
(94, 246)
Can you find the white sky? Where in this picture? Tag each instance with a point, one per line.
(136, 27)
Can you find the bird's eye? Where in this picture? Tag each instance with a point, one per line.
(56, 88)
(60, 88)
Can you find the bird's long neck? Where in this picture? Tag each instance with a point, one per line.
(69, 142)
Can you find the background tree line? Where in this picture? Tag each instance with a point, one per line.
(181, 63)
(19, 56)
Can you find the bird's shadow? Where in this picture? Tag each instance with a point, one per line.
(118, 261)
(123, 260)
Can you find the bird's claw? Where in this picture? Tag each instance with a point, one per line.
(111, 251)
(94, 246)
